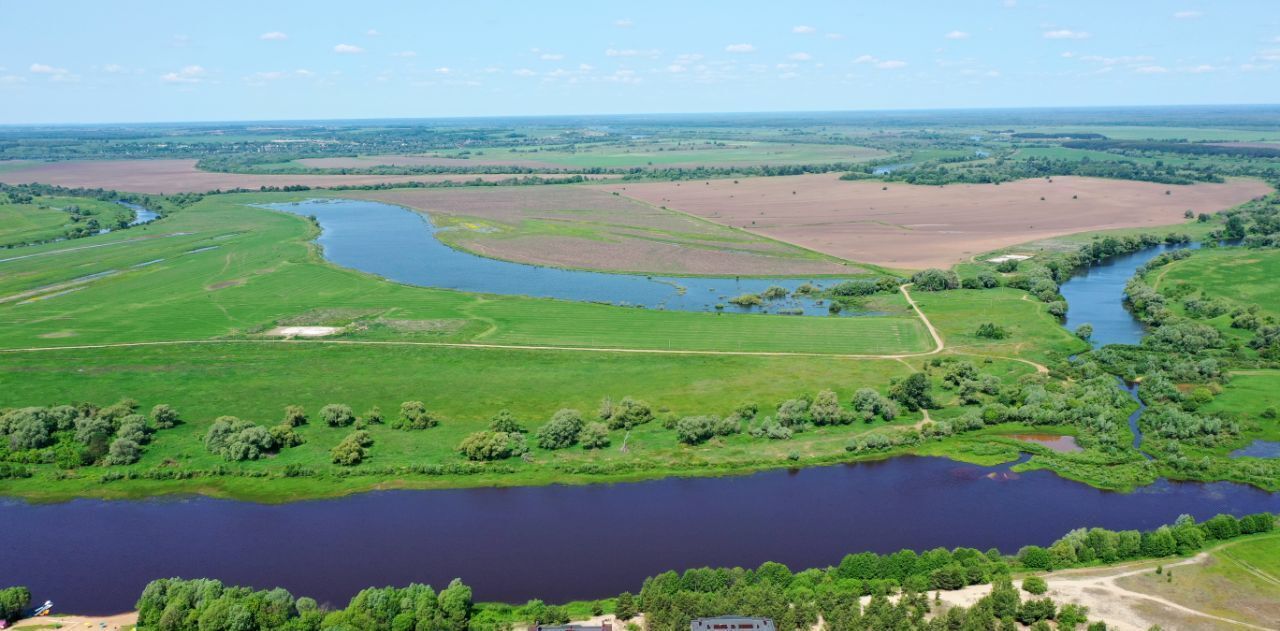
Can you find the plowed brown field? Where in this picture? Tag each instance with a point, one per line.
(182, 176)
(914, 227)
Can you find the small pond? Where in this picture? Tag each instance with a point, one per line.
(1063, 444)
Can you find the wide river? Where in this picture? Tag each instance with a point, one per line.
(565, 542)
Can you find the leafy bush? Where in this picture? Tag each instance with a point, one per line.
(487, 445)
(294, 416)
(352, 450)
(123, 451)
(991, 331)
(935, 280)
(1035, 585)
(337, 415)
(235, 439)
(561, 431)
(505, 421)
(414, 415)
(626, 413)
(164, 416)
(594, 436)
(693, 430)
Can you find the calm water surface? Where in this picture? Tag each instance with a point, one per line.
(1258, 449)
(562, 542)
(401, 245)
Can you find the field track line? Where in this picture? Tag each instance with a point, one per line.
(589, 349)
(939, 345)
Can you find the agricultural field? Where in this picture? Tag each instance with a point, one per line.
(181, 176)
(613, 155)
(577, 227)
(914, 227)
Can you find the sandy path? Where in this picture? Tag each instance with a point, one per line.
(113, 623)
(1105, 599)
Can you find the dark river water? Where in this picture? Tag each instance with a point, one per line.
(564, 542)
(401, 245)
(568, 542)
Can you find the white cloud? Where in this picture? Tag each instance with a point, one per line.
(523, 72)
(1187, 15)
(1199, 69)
(788, 75)
(551, 56)
(624, 23)
(1009, 4)
(273, 36)
(957, 35)
(799, 56)
(740, 48)
(47, 69)
(883, 64)
(347, 49)
(676, 68)
(443, 70)
(113, 68)
(303, 72)
(405, 53)
(632, 52)
(180, 41)
(835, 36)
(1115, 61)
(188, 74)
(1065, 34)
(373, 32)
(586, 67)
(1151, 70)
(803, 30)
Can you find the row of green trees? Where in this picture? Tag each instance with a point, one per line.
(208, 605)
(72, 436)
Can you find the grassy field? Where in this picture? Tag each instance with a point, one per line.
(1239, 581)
(256, 380)
(1239, 276)
(222, 268)
(206, 282)
(45, 219)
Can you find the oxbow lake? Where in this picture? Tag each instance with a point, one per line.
(570, 542)
(401, 245)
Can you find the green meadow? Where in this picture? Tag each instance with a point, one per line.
(178, 312)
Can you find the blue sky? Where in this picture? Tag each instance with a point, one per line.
(132, 61)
